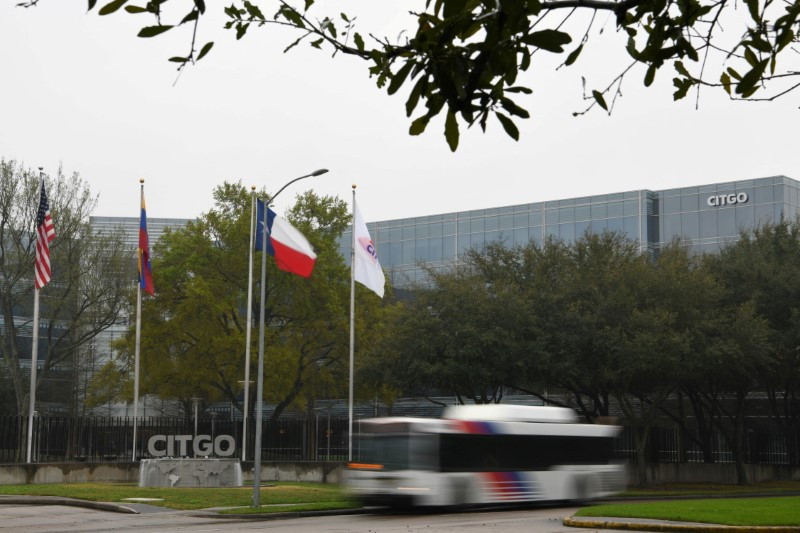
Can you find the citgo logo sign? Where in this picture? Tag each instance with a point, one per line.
(202, 445)
(727, 199)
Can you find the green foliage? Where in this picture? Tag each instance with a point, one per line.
(761, 331)
(91, 275)
(111, 7)
(8, 405)
(773, 511)
(275, 494)
(463, 56)
(603, 322)
(194, 330)
(455, 336)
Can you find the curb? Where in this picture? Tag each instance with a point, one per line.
(55, 500)
(601, 523)
(275, 516)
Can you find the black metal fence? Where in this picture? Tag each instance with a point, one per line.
(759, 445)
(98, 439)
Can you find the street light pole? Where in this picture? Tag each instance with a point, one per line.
(260, 378)
(195, 401)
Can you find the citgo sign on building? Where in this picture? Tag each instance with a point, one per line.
(727, 199)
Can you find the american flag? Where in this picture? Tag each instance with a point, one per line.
(45, 233)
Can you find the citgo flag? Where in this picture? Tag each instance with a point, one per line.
(145, 270)
(45, 233)
(366, 268)
(290, 248)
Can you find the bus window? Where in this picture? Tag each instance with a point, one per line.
(425, 452)
(400, 452)
(495, 453)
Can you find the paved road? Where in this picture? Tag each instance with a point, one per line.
(56, 518)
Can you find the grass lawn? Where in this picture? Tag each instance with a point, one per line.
(321, 506)
(316, 495)
(281, 497)
(712, 489)
(767, 511)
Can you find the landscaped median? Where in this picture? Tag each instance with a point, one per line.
(276, 497)
(774, 511)
(713, 504)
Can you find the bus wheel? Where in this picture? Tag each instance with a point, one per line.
(459, 493)
(581, 489)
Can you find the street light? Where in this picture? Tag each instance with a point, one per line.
(260, 378)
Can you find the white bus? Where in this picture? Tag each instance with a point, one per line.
(483, 454)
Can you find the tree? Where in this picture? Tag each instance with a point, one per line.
(194, 330)
(683, 297)
(464, 58)
(660, 337)
(91, 274)
(455, 336)
(759, 274)
(584, 296)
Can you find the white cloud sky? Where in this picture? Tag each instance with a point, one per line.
(84, 91)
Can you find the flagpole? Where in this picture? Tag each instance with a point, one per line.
(249, 322)
(34, 353)
(138, 338)
(352, 331)
(34, 364)
(260, 378)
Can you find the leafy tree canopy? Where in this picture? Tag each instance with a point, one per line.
(194, 330)
(463, 58)
(92, 273)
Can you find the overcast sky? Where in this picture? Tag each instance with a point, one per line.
(84, 91)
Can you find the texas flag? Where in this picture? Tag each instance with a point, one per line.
(290, 248)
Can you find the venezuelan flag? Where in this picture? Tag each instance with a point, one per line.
(145, 270)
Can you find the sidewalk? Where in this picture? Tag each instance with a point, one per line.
(143, 508)
(59, 500)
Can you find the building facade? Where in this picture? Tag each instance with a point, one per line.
(130, 228)
(705, 216)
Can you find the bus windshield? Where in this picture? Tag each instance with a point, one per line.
(399, 452)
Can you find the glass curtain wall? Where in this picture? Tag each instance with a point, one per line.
(651, 218)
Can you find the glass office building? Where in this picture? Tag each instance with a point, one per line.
(130, 228)
(706, 216)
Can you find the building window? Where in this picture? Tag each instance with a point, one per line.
(435, 249)
(745, 217)
(726, 222)
(763, 195)
(689, 202)
(672, 204)
(423, 250)
(690, 225)
(614, 224)
(598, 211)
(708, 224)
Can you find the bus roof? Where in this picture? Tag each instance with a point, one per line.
(397, 424)
(511, 413)
(492, 419)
